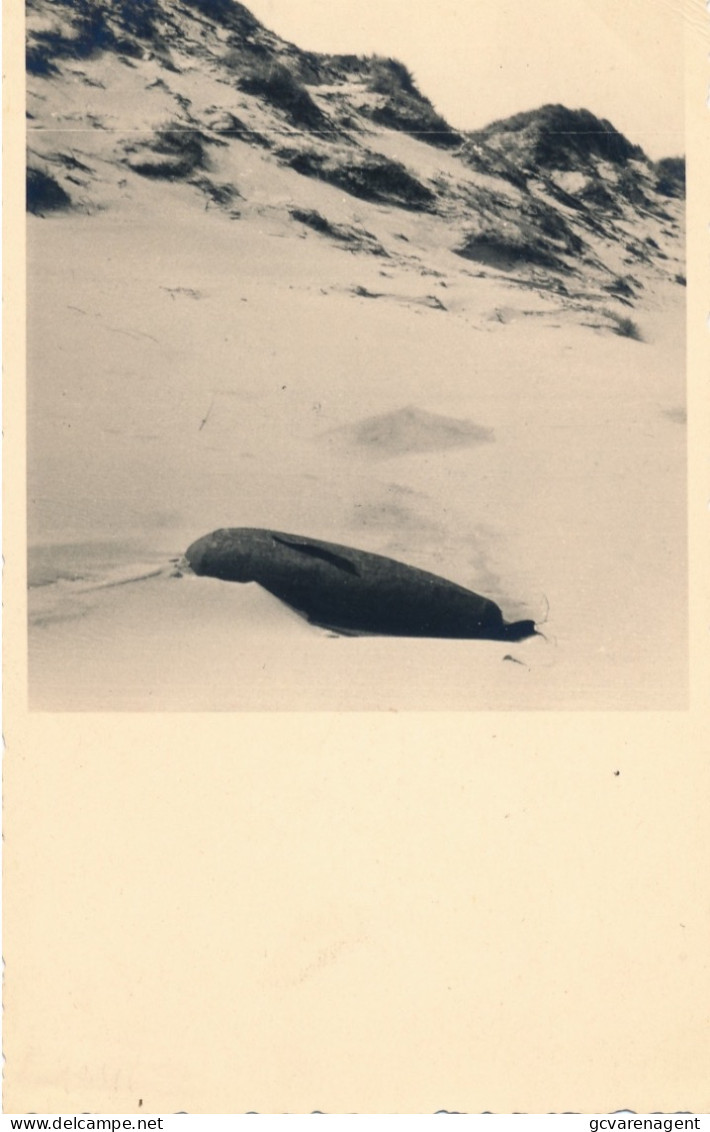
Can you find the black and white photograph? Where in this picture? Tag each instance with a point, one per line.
(356, 355)
(356, 608)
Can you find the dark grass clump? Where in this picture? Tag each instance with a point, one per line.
(39, 59)
(138, 17)
(375, 178)
(44, 194)
(92, 36)
(621, 286)
(405, 108)
(227, 124)
(627, 328)
(175, 153)
(223, 194)
(551, 224)
(670, 172)
(630, 188)
(509, 250)
(624, 327)
(353, 239)
(596, 194)
(533, 234)
(414, 117)
(402, 107)
(93, 32)
(282, 89)
(229, 13)
(390, 76)
(556, 137)
(485, 159)
(313, 219)
(96, 26)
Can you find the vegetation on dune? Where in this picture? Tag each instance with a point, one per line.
(137, 17)
(670, 172)
(223, 194)
(405, 107)
(390, 76)
(551, 224)
(484, 159)
(173, 153)
(401, 106)
(226, 124)
(507, 236)
(555, 137)
(281, 88)
(624, 327)
(408, 114)
(357, 239)
(93, 26)
(229, 13)
(622, 286)
(600, 196)
(313, 219)
(533, 190)
(505, 248)
(372, 177)
(39, 56)
(44, 193)
(628, 186)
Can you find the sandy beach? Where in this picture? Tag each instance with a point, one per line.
(294, 314)
(191, 373)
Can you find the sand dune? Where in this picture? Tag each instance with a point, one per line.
(212, 412)
(238, 322)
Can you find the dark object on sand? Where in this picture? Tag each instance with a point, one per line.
(340, 588)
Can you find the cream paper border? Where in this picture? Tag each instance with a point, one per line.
(288, 912)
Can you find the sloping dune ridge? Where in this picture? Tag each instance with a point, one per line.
(275, 289)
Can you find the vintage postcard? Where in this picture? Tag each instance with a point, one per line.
(356, 555)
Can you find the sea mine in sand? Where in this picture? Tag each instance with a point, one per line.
(343, 588)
